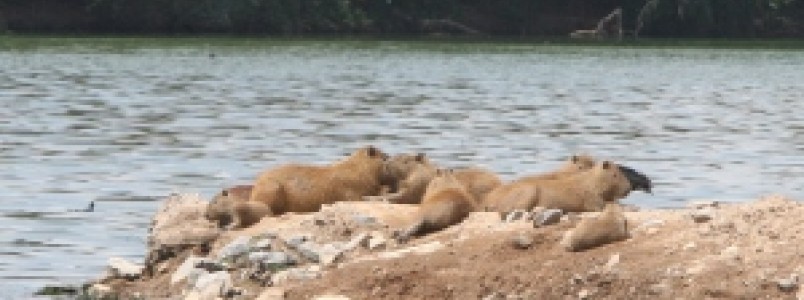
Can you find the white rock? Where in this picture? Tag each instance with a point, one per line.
(100, 291)
(361, 239)
(547, 217)
(121, 268)
(237, 247)
(187, 270)
(303, 273)
(584, 294)
(276, 258)
(420, 249)
(266, 244)
(377, 241)
(219, 281)
(614, 260)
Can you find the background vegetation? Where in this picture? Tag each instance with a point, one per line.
(657, 18)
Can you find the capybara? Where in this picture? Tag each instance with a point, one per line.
(304, 188)
(607, 227)
(407, 177)
(505, 198)
(582, 191)
(219, 210)
(446, 202)
(478, 181)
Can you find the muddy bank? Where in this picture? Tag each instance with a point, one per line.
(710, 249)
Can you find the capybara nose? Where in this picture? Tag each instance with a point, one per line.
(639, 181)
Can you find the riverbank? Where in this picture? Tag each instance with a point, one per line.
(709, 249)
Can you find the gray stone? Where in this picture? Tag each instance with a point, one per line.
(212, 285)
(309, 250)
(274, 258)
(547, 217)
(235, 248)
(364, 220)
(297, 240)
(188, 270)
(702, 216)
(515, 215)
(266, 244)
(121, 268)
(522, 241)
(330, 253)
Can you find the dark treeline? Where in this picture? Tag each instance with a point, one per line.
(656, 18)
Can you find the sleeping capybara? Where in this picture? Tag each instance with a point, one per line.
(582, 191)
(219, 210)
(412, 173)
(607, 227)
(446, 202)
(304, 188)
(505, 198)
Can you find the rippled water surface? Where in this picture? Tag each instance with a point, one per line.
(125, 122)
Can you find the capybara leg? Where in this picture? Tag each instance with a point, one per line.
(414, 230)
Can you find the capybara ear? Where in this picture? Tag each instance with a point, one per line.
(372, 151)
(607, 165)
(575, 158)
(420, 157)
(225, 193)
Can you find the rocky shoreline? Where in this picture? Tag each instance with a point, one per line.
(347, 251)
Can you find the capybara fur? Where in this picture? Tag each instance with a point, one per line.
(582, 191)
(478, 181)
(407, 178)
(305, 188)
(219, 210)
(507, 197)
(607, 227)
(446, 202)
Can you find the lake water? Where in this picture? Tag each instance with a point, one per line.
(125, 122)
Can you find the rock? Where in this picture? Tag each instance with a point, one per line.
(522, 241)
(584, 294)
(377, 241)
(363, 220)
(265, 245)
(179, 223)
(235, 248)
(547, 217)
(331, 297)
(420, 249)
(788, 284)
(303, 273)
(297, 240)
(309, 250)
(217, 281)
(702, 216)
(100, 291)
(515, 215)
(361, 239)
(272, 293)
(272, 259)
(614, 260)
(188, 270)
(121, 268)
(330, 253)
(702, 204)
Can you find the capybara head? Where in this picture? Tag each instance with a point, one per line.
(444, 179)
(610, 181)
(219, 209)
(399, 166)
(578, 163)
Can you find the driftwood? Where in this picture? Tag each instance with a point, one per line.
(609, 27)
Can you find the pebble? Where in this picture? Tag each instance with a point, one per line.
(122, 268)
(522, 241)
(787, 285)
(297, 240)
(547, 217)
(614, 260)
(702, 216)
(584, 294)
(235, 248)
(266, 244)
(377, 241)
(187, 270)
(515, 215)
(361, 239)
(275, 258)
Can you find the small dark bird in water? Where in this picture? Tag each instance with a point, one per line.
(89, 208)
(639, 181)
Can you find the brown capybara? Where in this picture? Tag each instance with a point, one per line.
(304, 188)
(219, 210)
(505, 198)
(412, 173)
(607, 227)
(582, 191)
(408, 178)
(446, 202)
